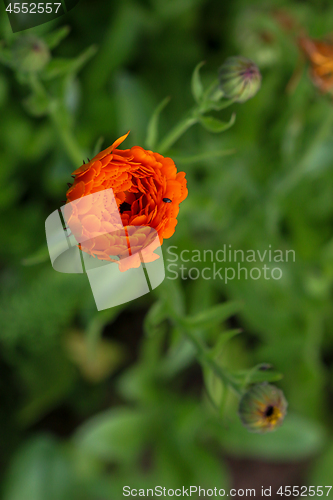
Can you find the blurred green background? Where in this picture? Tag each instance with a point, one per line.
(93, 401)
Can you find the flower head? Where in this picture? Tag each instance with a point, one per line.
(30, 53)
(147, 190)
(320, 56)
(262, 408)
(239, 78)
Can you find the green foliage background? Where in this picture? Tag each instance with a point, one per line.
(90, 402)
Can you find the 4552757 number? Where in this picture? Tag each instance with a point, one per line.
(33, 8)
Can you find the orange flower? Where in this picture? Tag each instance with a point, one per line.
(147, 191)
(320, 55)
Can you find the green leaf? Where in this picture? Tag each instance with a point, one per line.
(177, 358)
(211, 317)
(37, 104)
(40, 471)
(6, 56)
(96, 325)
(12, 193)
(216, 126)
(46, 385)
(24, 322)
(4, 89)
(247, 377)
(59, 67)
(120, 38)
(53, 39)
(196, 84)
(218, 105)
(297, 439)
(261, 373)
(117, 434)
(223, 339)
(206, 467)
(322, 471)
(137, 384)
(98, 146)
(172, 294)
(38, 257)
(152, 129)
(156, 314)
(216, 390)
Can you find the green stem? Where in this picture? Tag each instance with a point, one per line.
(56, 115)
(288, 182)
(284, 186)
(210, 101)
(73, 150)
(188, 122)
(177, 132)
(205, 358)
(36, 85)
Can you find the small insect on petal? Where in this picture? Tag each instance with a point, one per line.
(167, 200)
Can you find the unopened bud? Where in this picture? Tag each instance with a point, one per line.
(263, 408)
(30, 54)
(239, 78)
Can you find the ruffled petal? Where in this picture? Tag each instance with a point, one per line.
(140, 180)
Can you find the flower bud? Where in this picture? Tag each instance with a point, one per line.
(262, 408)
(30, 54)
(239, 78)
